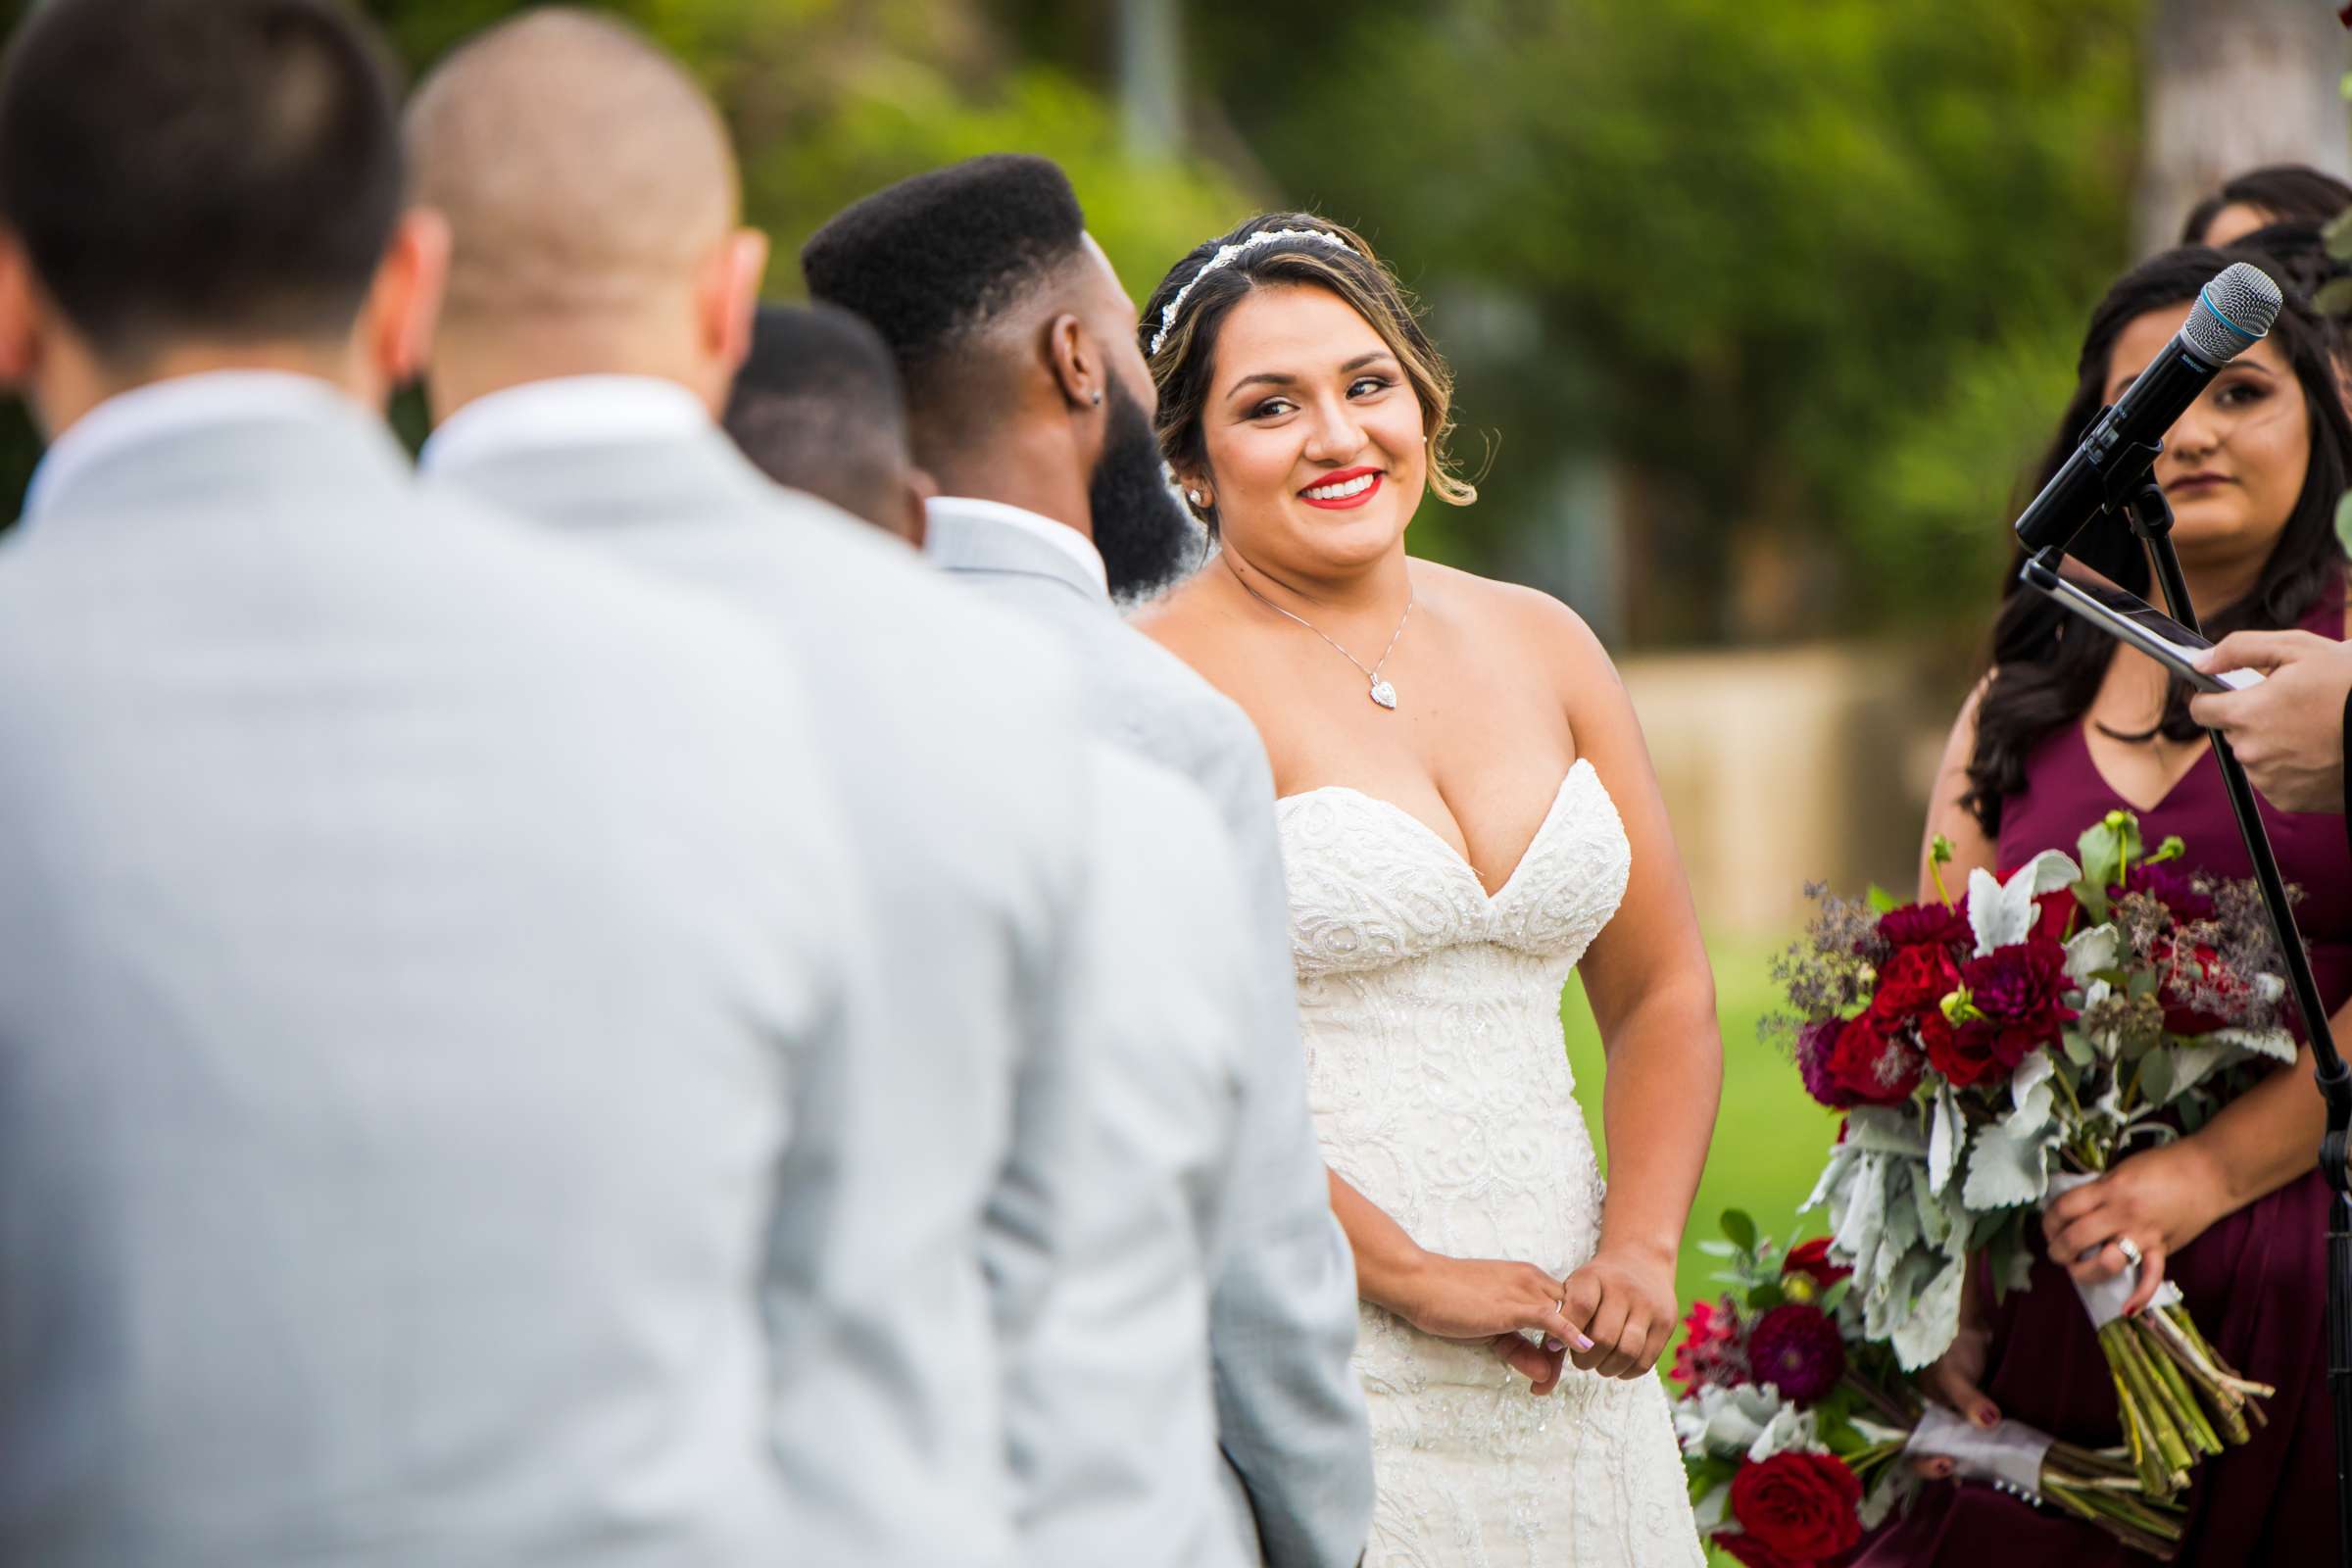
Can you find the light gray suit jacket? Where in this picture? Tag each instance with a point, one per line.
(1113, 1419)
(394, 1053)
(1291, 1414)
(950, 732)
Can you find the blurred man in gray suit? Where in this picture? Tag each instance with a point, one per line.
(1010, 327)
(410, 932)
(600, 298)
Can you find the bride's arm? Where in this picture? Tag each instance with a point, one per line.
(1455, 1297)
(1653, 995)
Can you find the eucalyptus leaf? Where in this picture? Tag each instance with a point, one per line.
(1945, 1133)
(1882, 901)
(2275, 1043)
(1716, 1248)
(1741, 1229)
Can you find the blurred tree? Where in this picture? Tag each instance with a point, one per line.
(830, 99)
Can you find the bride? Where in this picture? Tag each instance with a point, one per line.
(1468, 813)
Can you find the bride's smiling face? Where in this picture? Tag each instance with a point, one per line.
(1313, 438)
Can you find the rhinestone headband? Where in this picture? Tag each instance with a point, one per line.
(1226, 255)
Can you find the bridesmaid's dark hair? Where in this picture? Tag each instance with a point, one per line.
(2045, 674)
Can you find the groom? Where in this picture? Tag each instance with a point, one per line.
(394, 1058)
(1029, 404)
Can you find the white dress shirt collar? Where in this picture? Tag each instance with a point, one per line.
(564, 411)
(1068, 540)
(179, 403)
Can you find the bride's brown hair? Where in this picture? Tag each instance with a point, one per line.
(1186, 355)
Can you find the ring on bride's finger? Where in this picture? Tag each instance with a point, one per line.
(2130, 1249)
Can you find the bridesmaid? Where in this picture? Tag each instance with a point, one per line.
(2066, 727)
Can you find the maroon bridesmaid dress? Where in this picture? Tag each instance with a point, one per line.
(2256, 1281)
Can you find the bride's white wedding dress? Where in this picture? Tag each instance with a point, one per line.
(1441, 1090)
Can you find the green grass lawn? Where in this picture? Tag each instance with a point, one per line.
(1770, 1137)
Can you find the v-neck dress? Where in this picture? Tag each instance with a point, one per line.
(2256, 1281)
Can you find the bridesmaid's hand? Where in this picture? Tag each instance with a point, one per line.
(1624, 1302)
(2160, 1202)
(1956, 1378)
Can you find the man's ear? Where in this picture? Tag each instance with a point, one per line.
(404, 303)
(728, 297)
(1078, 362)
(19, 315)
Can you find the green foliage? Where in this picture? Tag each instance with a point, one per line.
(1762, 244)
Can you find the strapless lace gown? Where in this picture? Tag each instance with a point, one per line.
(1442, 1090)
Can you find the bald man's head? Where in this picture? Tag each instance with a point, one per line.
(592, 198)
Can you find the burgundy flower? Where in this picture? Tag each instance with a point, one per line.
(1925, 925)
(1872, 1067)
(1797, 1349)
(1710, 1347)
(1802, 1507)
(1966, 1058)
(1914, 980)
(1813, 1257)
(1815, 1043)
(2171, 887)
(2184, 974)
(2020, 990)
(1751, 1551)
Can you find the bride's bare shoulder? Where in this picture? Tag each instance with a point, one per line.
(1192, 620)
(1537, 625)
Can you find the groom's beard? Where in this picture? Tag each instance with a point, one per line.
(1146, 539)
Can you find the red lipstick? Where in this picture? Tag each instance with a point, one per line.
(1343, 477)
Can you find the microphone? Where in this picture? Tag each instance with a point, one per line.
(2232, 314)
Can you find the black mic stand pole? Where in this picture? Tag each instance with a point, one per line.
(2152, 520)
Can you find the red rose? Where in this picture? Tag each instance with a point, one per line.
(1804, 1507)
(1913, 981)
(1751, 1551)
(1964, 1058)
(2021, 991)
(1875, 1068)
(1813, 1257)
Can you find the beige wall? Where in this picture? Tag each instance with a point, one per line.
(1790, 766)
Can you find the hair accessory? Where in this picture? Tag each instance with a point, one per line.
(1226, 255)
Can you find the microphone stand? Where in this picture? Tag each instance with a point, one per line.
(2151, 518)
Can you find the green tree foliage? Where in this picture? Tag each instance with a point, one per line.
(830, 99)
(1813, 273)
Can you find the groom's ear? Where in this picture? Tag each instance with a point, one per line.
(1077, 362)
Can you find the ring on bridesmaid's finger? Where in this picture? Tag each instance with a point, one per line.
(2130, 1249)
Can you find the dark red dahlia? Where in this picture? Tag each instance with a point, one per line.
(1816, 1044)
(1797, 1349)
(1914, 980)
(1925, 925)
(2021, 991)
(1872, 1066)
(2169, 886)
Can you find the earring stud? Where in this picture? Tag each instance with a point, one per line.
(1097, 400)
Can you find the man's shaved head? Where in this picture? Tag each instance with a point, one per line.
(581, 169)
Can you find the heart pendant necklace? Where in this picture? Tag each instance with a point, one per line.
(1381, 691)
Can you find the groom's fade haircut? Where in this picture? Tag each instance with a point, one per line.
(222, 171)
(818, 406)
(582, 171)
(934, 262)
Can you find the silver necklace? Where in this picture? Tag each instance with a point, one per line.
(1381, 692)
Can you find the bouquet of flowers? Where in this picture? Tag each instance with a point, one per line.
(1796, 1429)
(1993, 1052)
